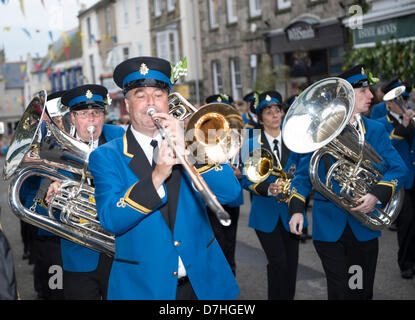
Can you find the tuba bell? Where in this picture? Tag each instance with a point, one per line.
(41, 148)
(318, 121)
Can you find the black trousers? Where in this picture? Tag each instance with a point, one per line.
(47, 254)
(226, 236)
(406, 232)
(88, 285)
(281, 250)
(349, 266)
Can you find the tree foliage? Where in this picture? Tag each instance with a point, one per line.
(385, 60)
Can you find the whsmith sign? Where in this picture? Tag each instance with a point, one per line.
(402, 27)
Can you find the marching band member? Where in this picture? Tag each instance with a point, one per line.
(401, 132)
(165, 246)
(344, 244)
(268, 216)
(85, 271)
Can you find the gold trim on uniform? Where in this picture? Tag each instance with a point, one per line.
(297, 195)
(125, 151)
(394, 136)
(131, 203)
(392, 184)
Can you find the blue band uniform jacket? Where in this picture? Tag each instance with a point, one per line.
(329, 220)
(151, 233)
(403, 140)
(266, 210)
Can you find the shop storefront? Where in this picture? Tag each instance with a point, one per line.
(312, 49)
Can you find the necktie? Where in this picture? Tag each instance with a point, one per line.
(276, 149)
(154, 144)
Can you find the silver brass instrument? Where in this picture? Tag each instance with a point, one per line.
(318, 121)
(41, 148)
(205, 145)
(259, 166)
(396, 95)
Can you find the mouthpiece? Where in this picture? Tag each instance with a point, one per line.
(91, 129)
(151, 111)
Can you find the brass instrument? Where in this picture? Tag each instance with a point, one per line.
(318, 121)
(259, 166)
(41, 148)
(396, 95)
(213, 135)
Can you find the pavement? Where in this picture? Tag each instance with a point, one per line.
(250, 260)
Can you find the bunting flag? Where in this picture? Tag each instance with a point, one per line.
(22, 68)
(51, 36)
(6, 28)
(22, 6)
(51, 55)
(27, 32)
(43, 3)
(66, 50)
(65, 39)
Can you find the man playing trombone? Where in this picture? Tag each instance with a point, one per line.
(165, 247)
(399, 123)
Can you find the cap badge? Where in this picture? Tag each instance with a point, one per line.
(362, 71)
(143, 69)
(89, 94)
(268, 98)
(219, 99)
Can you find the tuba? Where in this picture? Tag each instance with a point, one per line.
(41, 148)
(318, 121)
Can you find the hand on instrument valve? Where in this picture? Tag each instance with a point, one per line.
(52, 190)
(366, 203)
(166, 157)
(236, 171)
(408, 115)
(296, 223)
(275, 188)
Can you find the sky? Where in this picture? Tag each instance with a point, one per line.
(29, 26)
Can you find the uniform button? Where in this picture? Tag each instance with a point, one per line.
(175, 273)
(176, 243)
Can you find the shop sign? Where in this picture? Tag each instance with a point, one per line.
(300, 31)
(402, 27)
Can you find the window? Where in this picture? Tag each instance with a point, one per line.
(88, 28)
(167, 45)
(137, 10)
(125, 11)
(157, 8)
(213, 14)
(108, 21)
(254, 8)
(232, 11)
(283, 4)
(236, 82)
(91, 62)
(171, 5)
(125, 53)
(217, 77)
(139, 49)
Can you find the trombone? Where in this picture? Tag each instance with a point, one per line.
(224, 144)
(260, 165)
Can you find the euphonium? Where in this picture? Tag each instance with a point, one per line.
(318, 121)
(41, 148)
(260, 165)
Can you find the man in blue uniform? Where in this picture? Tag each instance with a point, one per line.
(165, 246)
(268, 216)
(85, 271)
(343, 243)
(400, 127)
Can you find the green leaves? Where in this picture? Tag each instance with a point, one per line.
(178, 70)
(385, 60)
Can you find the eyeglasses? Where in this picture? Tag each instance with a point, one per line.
(95, 113)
